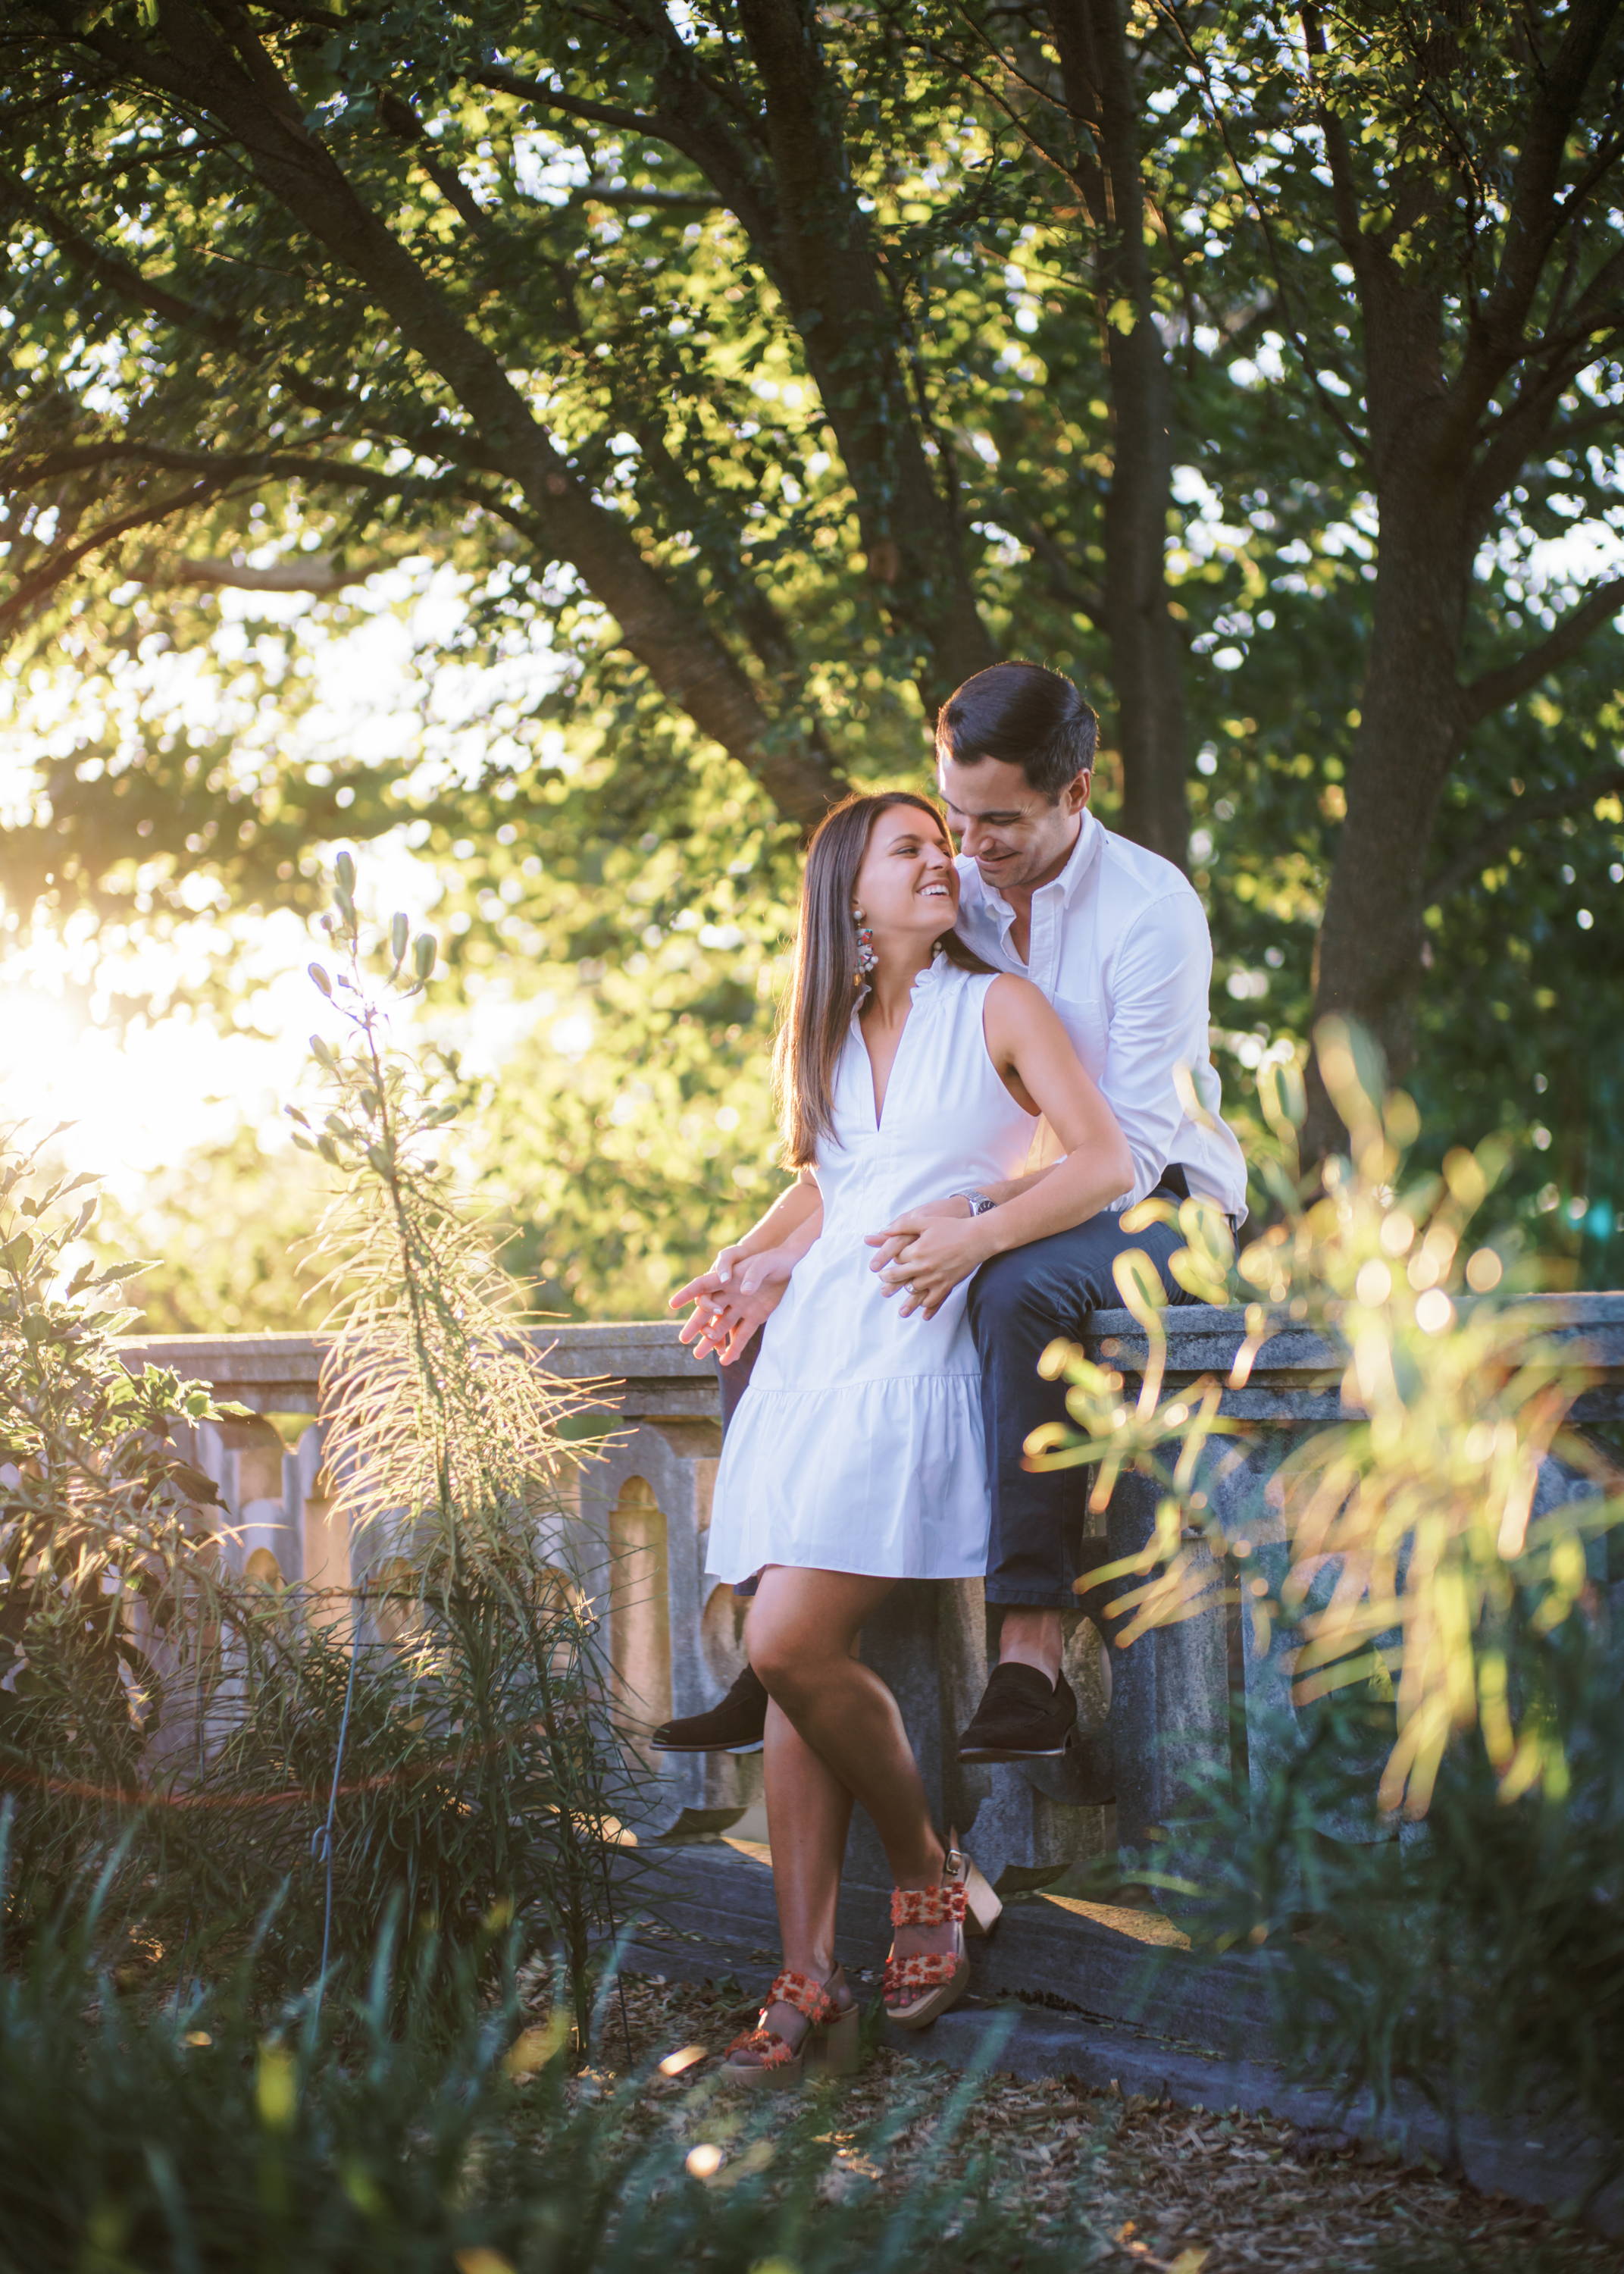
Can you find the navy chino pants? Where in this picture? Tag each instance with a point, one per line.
(1020, 1303)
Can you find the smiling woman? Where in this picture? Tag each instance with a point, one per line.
(893, 851)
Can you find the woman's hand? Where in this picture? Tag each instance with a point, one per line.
(907, 1228)
(710, 1282)
(942, 1252)
(733, 1299)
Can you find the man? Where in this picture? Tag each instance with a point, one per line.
(1116, 938)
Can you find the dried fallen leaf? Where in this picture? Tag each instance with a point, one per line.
(532, 2049)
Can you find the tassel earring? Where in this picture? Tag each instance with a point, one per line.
(866, 960)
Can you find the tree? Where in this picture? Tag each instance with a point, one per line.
(447, 358)
(1469, 165)
(1077, 90)
(864, 344)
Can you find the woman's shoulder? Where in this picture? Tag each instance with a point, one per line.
(1008, 992)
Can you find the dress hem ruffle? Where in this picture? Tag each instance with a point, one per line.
(972, 1570)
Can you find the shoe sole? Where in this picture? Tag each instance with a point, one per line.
(982, 1753)
(754, 1746)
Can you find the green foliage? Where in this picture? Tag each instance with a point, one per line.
(224, 1229)
(193, 374)
(102, 1535)
(1422, 1499)
(1479, 1959)
(433, 1740)
(206, 2131)
(1428, 1843)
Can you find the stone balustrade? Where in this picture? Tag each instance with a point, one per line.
(676, 1639)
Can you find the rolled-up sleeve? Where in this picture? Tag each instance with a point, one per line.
(1160, 980)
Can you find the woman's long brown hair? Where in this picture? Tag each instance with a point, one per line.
(818, 1016)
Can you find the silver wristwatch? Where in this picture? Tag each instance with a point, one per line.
(979, 1201)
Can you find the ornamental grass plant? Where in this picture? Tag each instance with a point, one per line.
(435, 1742)
(387, 2128)
(1429, 1836)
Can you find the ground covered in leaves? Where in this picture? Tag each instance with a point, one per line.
(1138, 2184)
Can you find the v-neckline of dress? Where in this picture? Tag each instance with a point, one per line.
(876, 1106)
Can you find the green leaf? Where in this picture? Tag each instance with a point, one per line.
(193, 1483)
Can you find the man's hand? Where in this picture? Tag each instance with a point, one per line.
(936, 1258)
(908, 1226)
(730, 1301)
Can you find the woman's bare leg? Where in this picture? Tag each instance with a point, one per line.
(809, 1814)
(834, 1732)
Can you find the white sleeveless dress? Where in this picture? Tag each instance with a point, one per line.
(857, 1446)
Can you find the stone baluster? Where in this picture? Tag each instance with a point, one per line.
(675, 1642)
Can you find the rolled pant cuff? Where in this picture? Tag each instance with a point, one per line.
(1016, 1598)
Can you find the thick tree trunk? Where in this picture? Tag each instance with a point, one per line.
(1147, 654)
(823, 260)
(1412, 728)
(202, 63)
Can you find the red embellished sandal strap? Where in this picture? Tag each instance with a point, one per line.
(772, 2049)
(927, 1970)
(927, 1906)
(805, 1996)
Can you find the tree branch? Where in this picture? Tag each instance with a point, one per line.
(572, 106)
(1087, 600)
(1507, 831)
(108, 269)
(642, 200)
(17, 605)
(403, 122)
(1536, 212)
(1491, 691)
(312, 572)
(237, 85)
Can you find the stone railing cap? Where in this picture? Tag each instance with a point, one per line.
(262, 1368)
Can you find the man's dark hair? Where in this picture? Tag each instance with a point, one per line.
(1025, 714)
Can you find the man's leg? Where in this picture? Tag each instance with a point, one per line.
(735, 1379)
(1020, 1303)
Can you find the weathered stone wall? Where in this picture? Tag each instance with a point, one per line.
(676, 1639)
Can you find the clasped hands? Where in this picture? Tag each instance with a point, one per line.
(927, 1250)
(923, 1255)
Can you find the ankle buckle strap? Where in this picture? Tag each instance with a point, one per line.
(927, 1906)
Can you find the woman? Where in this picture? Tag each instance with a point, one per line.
(906, 1068)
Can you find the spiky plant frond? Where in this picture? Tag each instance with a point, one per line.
(1411, 1521)
(442, 1436)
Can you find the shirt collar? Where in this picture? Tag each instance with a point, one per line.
(1081, 864)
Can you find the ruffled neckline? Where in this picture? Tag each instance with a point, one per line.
(930, 977)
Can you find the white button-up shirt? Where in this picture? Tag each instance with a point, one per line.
(1119, 945)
